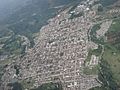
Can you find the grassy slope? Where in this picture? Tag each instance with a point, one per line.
(113, 59)
(112, 53)
(97, 52)
(49, 86)
(110, 72)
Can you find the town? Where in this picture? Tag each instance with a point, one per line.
(60, 51)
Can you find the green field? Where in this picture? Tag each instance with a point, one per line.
(107, 2)
(49, 86)
(115, 27)
(112, 52)
(28, 84)
(91, 71)
(94, 69)
(112, 56)
(93, 37)
(108, 71)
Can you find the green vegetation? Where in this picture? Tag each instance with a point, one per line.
(114, 34)
(99, 88)
(32, 17)
(17, 69)
(1, 71)
(5, 35)
(96, 52)
(100, 8)
(16, 86)
(5, 32)
(26, 22)
(112, 56)
(27, 84)
(109, 73)
(106, 76)
(106, 3)
(31, 24)
(94, 39)
(49, 86)
(115, 27)
(93, 35)
(13, 46)
(90, 53)
(91, 70)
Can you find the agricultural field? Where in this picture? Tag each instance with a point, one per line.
(109, 65)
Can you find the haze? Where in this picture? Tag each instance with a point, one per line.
(7, 7)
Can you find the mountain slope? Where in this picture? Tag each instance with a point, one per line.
(27, 21)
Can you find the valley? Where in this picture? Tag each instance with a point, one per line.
(75, 46)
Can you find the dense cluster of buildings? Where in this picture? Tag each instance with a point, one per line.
(60, 52)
